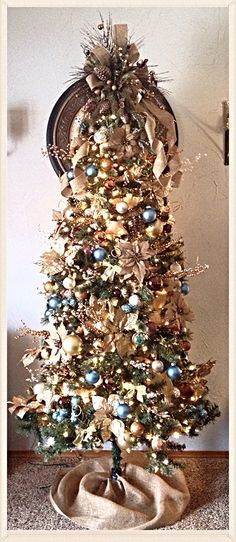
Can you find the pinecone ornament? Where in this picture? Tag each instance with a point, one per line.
(104, 107)
(134, 224)
(102, 72)
(90, 106)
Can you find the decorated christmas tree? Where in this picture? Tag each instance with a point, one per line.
(114, 360)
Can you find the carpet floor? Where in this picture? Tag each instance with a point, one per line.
(29, 506)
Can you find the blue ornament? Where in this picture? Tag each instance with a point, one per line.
(91, 170)
(72, 301)
(174, 372)
(74, 417)
(54, 301)
(70, 174)
(99, 254)
(92, 377)
(48, 313)
(138, 339)
(127, 308)
(75, 401)
(60, 415)
(203, 413)
(83, 127)
(149, 215)
(65, 302)
(122, 410)
(185, 288)
(63, 413)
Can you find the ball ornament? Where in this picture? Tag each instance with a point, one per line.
(134, 300)
(69, 283)
(91, 170)
(99, 254)
(70, 174)
(106, 164)
(72, 345)
(186, 391)
(175, 267)
(48, 286)
(154, 229)
(122, 410)
(121, 207)
(92, 377)
(137, 429)
(185, 288)
(157, 366)
(125, 441)
(54, 301)
(138, 339)
(174, 372)
(149, 215)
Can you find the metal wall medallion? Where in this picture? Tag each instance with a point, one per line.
(63, 125)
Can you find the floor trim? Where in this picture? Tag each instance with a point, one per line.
(29, 454)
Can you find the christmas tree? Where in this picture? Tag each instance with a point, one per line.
(114, 361)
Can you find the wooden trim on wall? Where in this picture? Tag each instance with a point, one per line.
(29, 454)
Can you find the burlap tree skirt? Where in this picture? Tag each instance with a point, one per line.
(137, 500)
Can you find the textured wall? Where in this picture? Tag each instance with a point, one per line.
(191, 43)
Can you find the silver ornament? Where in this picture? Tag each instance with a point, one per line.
(158, 366)
(134, 300)
(122, 207)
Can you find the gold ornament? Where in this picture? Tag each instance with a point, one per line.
(69, 283)
(69, 214)
(154, 229)
(72, 345)
(43, 419)
(45, 353)
(79, 294)
(137, 429)
(55, 287)
(48, 286)
(175, 267)
(106, 164)
(125, 440)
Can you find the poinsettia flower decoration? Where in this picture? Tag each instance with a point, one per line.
(178, 309)
(132, 257)
(124, 142)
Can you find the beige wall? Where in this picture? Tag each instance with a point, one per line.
(191, 43)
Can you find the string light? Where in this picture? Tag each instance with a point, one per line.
(176, 434)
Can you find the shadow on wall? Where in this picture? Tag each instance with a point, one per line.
(17, 126)
(195, 94)
(17, 385)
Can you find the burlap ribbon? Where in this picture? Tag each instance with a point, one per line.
(77, 187)
(137, 500)
(139, 104)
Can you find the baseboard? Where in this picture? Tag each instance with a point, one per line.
(29, 454)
